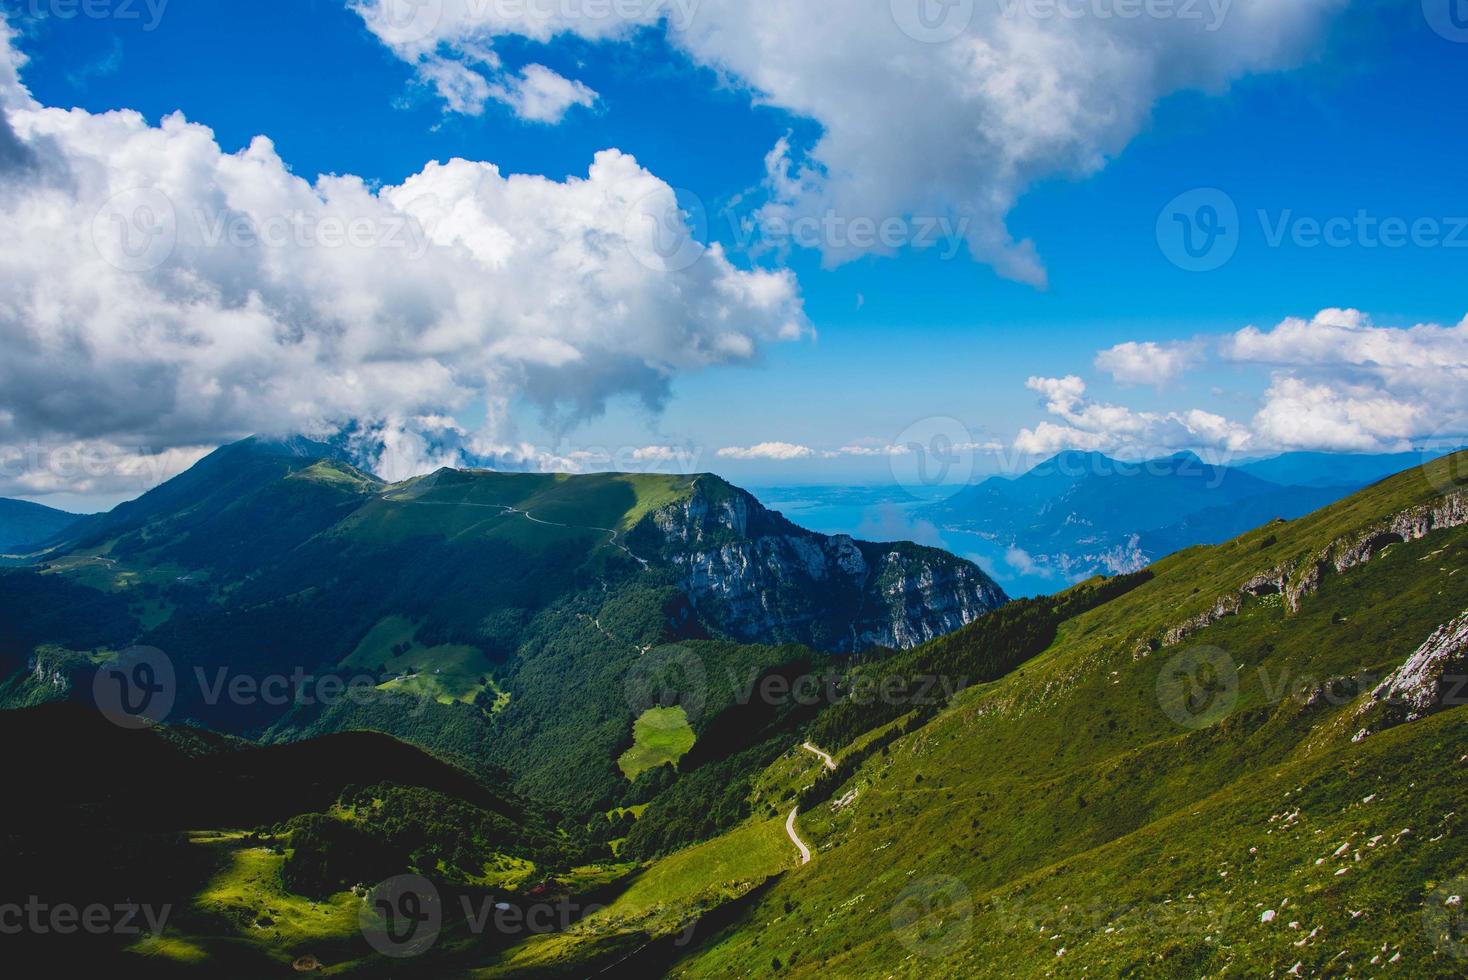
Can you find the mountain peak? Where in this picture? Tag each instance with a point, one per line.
(1075, 457)
(294, 446)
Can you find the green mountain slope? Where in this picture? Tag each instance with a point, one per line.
(494, 618)
(1172, 788)
(1247, 761)
(1177, 784)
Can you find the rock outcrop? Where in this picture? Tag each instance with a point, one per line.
(1435, 677)
(758, 577)
(1297, 578)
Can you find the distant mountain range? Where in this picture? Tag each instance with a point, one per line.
(1334, 469)
(1080, 514)
(24, 523)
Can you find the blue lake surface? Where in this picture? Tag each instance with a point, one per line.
(891, 513)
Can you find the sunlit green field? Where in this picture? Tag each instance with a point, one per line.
(660, 736)
(448, 673)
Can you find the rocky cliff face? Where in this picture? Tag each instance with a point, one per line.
(760, 578)
(1432, 679)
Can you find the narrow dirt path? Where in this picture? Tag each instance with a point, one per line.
(825, 757)
(830, 764)
(641, 650)
(507, 510)
(795, 838)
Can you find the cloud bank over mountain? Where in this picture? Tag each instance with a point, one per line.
(158, 291)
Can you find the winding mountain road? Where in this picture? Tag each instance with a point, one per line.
(795, 838)
(825, 756)
(830, 764)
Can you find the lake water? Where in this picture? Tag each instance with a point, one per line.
(891, 514)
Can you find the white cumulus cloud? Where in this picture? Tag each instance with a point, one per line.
(778, 451)
(1350, 341)
(1299, 415)
(1103, 427)
(949, 119)
(1335, 381)
(539, 94)
(157, 290)
(1149, 363)
(1340, 381)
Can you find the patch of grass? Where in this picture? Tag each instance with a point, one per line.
(705, 874)
(653, 493)
(173, 948)
(448, 674)
(242, 921)
(506, 872)
(247, 893)
(589, 876)
(635, 809)
(662, 901)
(334, 473)
(660, 736)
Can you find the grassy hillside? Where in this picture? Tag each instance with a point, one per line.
(1084, 816)
(1161, 790)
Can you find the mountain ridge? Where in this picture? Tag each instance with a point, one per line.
(24, 523)
(463, 591)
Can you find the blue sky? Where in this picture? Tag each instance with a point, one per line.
(1362, 118)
